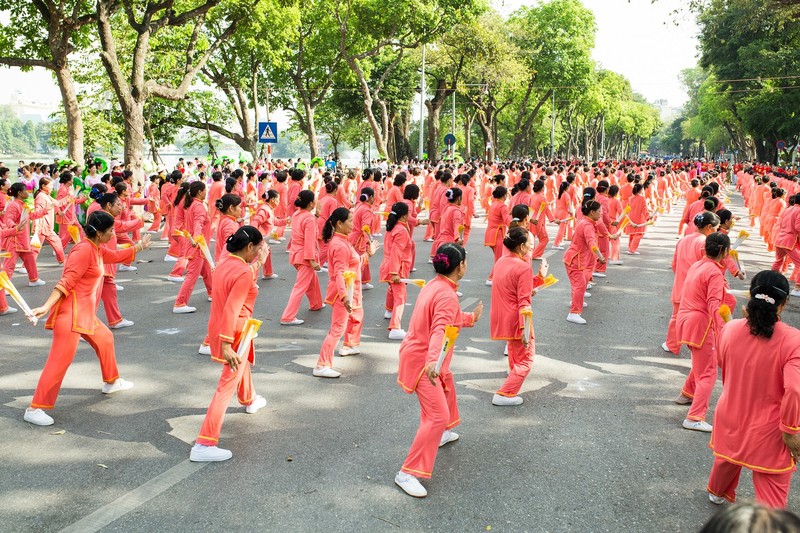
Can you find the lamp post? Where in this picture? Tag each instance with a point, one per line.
(422, 107)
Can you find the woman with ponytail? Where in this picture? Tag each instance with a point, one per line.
(360, 239)
(229, 207)
(233, 298)
(65, 215)
(44, 226)
(411, 199)
(787, 239)
(581, 257)
(497, 221)
(452, 218)
(72, 315)
(267, 222)
(395, 266)
(564, 213)
(326, 206)
(126, 215)
(689, 250)
(512, 289)
(280, 187)
(638, 219)
(348, 313)
(698, 326)
(18, 241)
(154, 203)
(198, 223)
(757, 419)
(436, 308)
(538, 227)
(304, 256)
(168, 192)
(176, 251)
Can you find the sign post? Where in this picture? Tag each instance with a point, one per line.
(450, 141)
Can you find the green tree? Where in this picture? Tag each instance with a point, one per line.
(66, 24)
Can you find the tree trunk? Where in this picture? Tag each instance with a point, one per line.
(134, 137)
(69, 100)
(433, 128)
(469, 118)
(311, 130)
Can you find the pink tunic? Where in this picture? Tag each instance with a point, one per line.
(342, 256)
(690, 250)
(303, 245)
(512, 286)
(760, 397)
(436, 307)
(703, 294)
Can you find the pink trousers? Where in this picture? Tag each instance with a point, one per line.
(438, 412)
(520, 363)
(772, 490)
(240, 382)
(342, 323)
(700, 382)
(396, 298)
(306, 284)
(198, 266)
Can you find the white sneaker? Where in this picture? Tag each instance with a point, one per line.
(271, 276)
(683, 400)
(127, 268)
(37, 283)
(697, 425)
(257, 404)
(558, 247)
(637, 253)
(183, 309)
(589, 285)
(505, 350)
(21, 270)
(349, 350)
(414, 269)
(459, 294)
(488, 283)
(367, 286)
(119, 385)
(598, 274)
(176, 279)
(273, 241)
(615, 262)
(430, 261)
(410, 485)
(10, 310)
(498, 399)
(795, 292)
(122, 324)
(396, 334)
(205, 349)
(295, 322)
(716, 500)
(325, 372)
(378, 235)
(170, 259)
(209, 298)
(37, 417)
(587, 295)
(207, 454)
(585, 305)
(575, 318)
(448, 436)
(387, 315)
(666, 348)
(427, 240)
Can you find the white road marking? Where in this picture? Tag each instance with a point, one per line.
(135, 498)
(172, 298)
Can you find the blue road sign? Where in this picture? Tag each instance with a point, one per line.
(267, 132)
(450, 139)
(781, 145)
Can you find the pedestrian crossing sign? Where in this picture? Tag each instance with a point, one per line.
(267, 132)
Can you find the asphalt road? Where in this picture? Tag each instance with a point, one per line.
(597, 445)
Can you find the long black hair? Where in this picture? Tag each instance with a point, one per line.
(340, 214)
(226, 201)
(194, 189)
(448, 257)
(399, 210)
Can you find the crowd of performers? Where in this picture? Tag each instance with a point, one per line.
(231, 226)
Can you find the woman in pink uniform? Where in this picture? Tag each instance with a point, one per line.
(698, 326)
(327, 204)
(395, 266)
(229, 207)
(360, 239)
(689, 250)
(511, 294)
(347, 316)
(44, 226)
(787, 240)
(198, 223)
(580, 258)
(538, 228)
(638, 217)
(233, 298)
(65, 216)
(615, 213)
(154, 203)
(564, 212)
(268, 223)
(757, 419)
(18, 243)
(451, 219)
(437, 307)
(411, 199)
(71, 307)
(497, 223)
(304, 256)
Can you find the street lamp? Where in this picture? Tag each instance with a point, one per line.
(422, 106)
